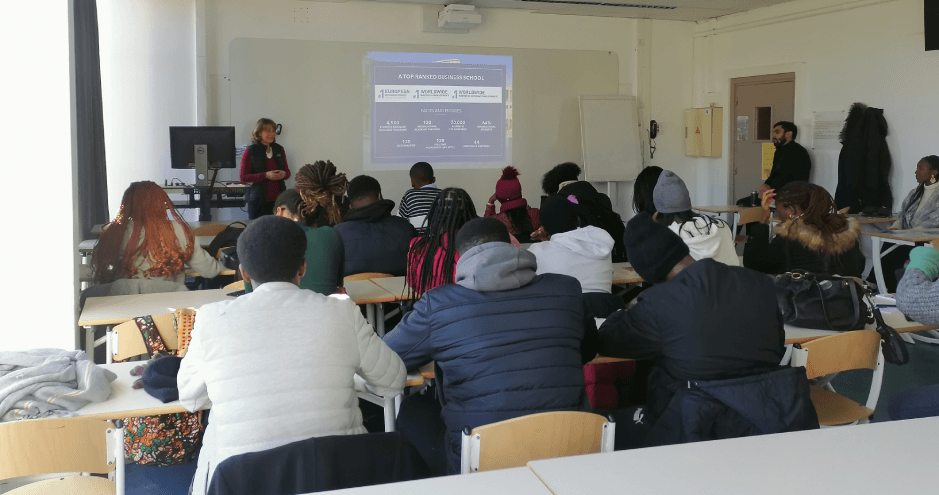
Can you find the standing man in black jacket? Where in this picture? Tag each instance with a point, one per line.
(703, 322)
(791, 162)
(374, 239)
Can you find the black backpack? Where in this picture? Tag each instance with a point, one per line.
(227, 238)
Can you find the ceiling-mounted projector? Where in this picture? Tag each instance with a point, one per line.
(458, 16)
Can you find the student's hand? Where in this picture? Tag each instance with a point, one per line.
(763, 189)
(539, 235)
(492, 199)
(768, 196)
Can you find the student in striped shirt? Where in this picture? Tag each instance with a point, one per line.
(416, 202)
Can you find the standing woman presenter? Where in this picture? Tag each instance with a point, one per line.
(264, 166)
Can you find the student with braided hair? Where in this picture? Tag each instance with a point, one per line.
(149, 240)
(432, 258)
(317, 186)
(812, 235)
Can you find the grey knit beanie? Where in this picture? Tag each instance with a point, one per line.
(670, 194)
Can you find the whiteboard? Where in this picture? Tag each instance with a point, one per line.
(610, 138)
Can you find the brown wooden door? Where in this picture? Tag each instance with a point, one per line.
(761, 101)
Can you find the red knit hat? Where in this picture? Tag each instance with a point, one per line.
(509, 190)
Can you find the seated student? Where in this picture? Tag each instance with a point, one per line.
(579, 250)
(705, 237)
(431, 258)
(506, 342)
(644, 188)
(375, 240)
(514, 212)
(277, 365)
(149, 240)
(416, 202)
(812, 235)
(703, 320)
(324, 250)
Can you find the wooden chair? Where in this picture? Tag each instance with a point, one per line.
(366, 276)
(749, 215)
(238, 285)
(825, 357)
(124, 341)
(844, 211)
(72, 445)
(207, 230)
(514, 442)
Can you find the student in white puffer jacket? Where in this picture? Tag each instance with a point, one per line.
(277, 365)
(706, 237)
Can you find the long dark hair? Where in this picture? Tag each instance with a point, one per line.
(449, 212)
(933, 162)
(818, 208)
(521, 221)
(553, 178)
(642, 189)
(683, 217)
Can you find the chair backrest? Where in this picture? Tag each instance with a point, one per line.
(367, 276)
(240, 284)
(846, 351)
(844, 211)
(751, 215)
(125, 341)
(935, 244)
(207, 230)
(73, 445)
(514, 442)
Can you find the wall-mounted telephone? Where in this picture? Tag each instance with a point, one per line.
(653, 132)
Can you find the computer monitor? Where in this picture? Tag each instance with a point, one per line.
(202, 148)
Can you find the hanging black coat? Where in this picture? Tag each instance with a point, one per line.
(864, 163)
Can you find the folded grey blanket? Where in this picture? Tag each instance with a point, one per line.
(46, 383)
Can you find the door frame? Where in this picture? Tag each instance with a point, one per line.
(736, 83)
(801, 114)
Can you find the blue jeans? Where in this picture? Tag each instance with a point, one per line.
(916, 402)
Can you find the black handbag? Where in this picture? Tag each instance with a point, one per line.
(227, 238)
(822, 302)
(229, 258)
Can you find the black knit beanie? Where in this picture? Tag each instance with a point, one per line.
(559, 214)
(652, 248)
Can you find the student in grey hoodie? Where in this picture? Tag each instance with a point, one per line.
(579, 250)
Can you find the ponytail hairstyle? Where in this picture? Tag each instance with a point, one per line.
(564, 172)
(933, 162)
(145, 206)
(449, 212)
(817, 206)
(319, 185)
(643, 188)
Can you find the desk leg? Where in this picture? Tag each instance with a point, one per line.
(928, 340)
(90, 342)
(878, 268)
(734, 220)
(390, 411)
(370, 314)
(398, 403)
(380, 319)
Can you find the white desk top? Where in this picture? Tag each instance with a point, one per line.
(125, 401)
(397, 286)
(893, 318)
(845, 459)
(516, 481)
(365, 292)
(111, 310)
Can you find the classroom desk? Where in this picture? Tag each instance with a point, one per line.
(515, 481)
(845, 459)
(732, 212)
(911, 237)
(623, 274)
(372, 296)
(895, 319)
(396, 286)
(127, 402)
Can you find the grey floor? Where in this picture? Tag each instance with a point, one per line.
(923, 369)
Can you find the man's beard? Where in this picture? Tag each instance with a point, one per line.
(779, 143)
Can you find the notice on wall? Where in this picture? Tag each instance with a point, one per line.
(769, 151)
(827, 129)
(743, 127)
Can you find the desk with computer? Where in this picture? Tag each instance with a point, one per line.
(207, 149)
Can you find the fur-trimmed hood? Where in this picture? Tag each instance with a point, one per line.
(812, 238)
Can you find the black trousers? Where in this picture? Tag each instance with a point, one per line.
(420, 422)
(260, 208)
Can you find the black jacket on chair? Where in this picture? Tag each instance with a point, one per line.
(710, 322)
(803, 247)
(375, 240)
(320, 464)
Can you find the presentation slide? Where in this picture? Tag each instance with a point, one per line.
(453, 111)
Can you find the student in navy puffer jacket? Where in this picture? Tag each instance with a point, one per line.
(507, 343)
